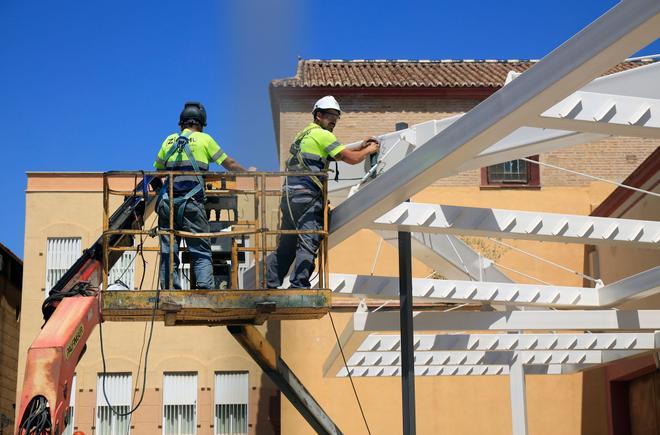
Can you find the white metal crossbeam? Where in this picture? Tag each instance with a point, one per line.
(595, 109)
(514, 224)
(510, 342)
(453, 358)
(617, 34)
(464, 370)
(637, 286)
(605, 320)
(451, 291)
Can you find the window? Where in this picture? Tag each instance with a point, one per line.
(514, 173)
(124, 270)
(231, 403)
(118, 390)
(61, 253)
(68, 430)
(180, 403)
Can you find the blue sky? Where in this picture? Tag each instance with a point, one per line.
(95, 86)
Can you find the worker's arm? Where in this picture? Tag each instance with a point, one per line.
(233, 166)
(221, 158)
(355, 156)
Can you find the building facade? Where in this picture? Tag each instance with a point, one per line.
(11, 277)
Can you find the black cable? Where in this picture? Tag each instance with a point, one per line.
(146, 358)
(140, 249)
(348, 372)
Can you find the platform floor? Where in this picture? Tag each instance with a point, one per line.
(216, 307)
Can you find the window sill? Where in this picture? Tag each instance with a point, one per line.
(510, 186)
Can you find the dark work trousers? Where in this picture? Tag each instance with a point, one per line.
(303, 211)
(194, 221)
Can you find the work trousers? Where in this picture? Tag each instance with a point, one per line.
(303, 211)
(195, 221)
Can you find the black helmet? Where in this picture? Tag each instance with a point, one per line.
(193, 111)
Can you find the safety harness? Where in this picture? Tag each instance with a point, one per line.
(296, 162)
(181, 146)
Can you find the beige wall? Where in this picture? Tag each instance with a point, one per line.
(71, 206)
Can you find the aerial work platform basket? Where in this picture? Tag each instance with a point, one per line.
(244, 214)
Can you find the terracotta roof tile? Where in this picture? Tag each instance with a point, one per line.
(312, 73)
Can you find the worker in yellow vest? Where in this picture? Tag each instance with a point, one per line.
(302, 197)
(189, 150)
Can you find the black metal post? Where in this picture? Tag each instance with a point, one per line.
(406, 320)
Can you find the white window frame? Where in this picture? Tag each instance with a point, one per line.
(232, 389)
(118, 388)
(61, 254)
(180, 395)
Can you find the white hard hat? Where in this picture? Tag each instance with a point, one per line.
(327, 102)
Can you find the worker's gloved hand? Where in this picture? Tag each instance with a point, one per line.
(368, 141)
(371, 144)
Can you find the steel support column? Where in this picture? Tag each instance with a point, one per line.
(518, 403)
(407, 331)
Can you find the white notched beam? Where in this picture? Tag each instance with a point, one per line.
(595, 109)
(464, 370)
(638, 286)
(513, 224)
(509, 342)
(620, 32)
(605, 320)
(450, 291)
(453, 358)
(449, 256)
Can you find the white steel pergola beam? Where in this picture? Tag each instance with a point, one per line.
(364, 324)
(604, 320)
(608, 114)
(450, 291)
(513, 224)
(626, 105)
(453, 358)
(638, 286)
(509, 342)
(465, 370)
(623, 30)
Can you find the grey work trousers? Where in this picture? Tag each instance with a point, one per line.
(302, 211)
(195, 221)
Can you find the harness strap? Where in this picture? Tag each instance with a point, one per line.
(296, 153)
(182, 146)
